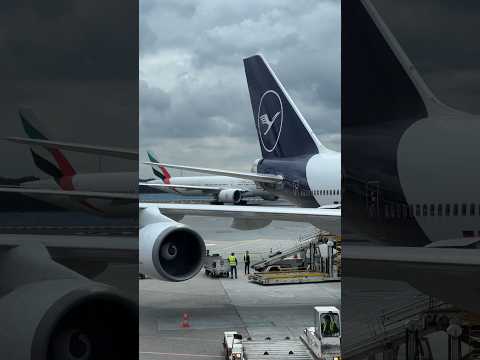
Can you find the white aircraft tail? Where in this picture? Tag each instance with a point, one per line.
(49, 161)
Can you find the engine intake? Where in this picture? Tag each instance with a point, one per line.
(53, 313)
(170, 251)
(231, 196)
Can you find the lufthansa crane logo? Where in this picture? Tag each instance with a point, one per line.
(270, 119)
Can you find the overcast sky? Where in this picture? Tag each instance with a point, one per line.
(194, 104)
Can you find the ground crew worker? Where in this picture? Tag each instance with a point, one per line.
(246, 258)
(232, 261)
(329, 326)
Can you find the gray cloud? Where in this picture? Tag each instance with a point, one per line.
(194, 103)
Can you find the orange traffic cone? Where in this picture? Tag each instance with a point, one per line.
(185, 324)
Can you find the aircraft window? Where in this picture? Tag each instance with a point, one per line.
(440, 210)
(404, 211)
(432, 210)
(464, 209)
(455, 209)
(447, 210)
(472, 209)
(387, 213)
(424, 212)
(417, 210)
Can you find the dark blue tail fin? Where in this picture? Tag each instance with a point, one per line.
(282, 130)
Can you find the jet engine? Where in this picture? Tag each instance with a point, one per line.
(231, 196)
(51, 312)
(170, 251)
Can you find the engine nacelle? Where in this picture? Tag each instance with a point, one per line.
(232, 196)
(170, 251)
(49, 312)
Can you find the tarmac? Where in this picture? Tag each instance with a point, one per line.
(217, 305)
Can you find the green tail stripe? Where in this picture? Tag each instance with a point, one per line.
(31, 131)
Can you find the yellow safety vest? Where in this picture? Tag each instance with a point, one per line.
(232, 260)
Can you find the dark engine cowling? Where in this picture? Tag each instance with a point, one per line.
(49, 312)
(231, 196)
(170, 251)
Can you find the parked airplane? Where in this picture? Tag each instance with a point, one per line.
(171, 251)
(295, 164)
(224, 189)
(401, 180)
(410, 170)
(60, 174)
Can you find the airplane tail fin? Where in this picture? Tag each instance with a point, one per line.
(161, 172)
(282, 130)
(383, 84)
(52, 162)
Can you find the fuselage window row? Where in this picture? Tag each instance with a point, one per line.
(393, 210)
(320, 192)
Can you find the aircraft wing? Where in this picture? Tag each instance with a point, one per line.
(210, 189)
(446, 273)
(65, 248)
(82, 148)
(74, 193)
(265, 178)
(325, 219)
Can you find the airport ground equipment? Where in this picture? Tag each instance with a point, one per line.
(290, 277)
(278, 349)
(317, 262)
(320, 342)
(323, 339)
(216, 266)
(410, 324)
(233, 346)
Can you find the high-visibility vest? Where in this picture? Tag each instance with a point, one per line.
(232, 260)
(330, 328)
